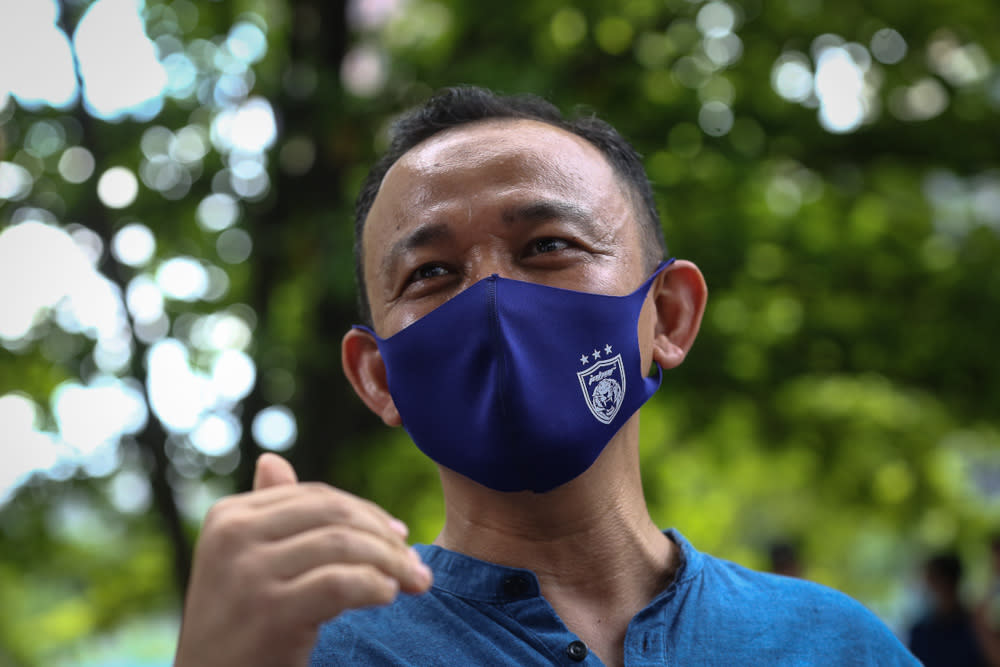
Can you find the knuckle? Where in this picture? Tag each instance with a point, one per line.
(384, 589)
(359, 586)
(218, 511)
(228, 532)
(257, 596)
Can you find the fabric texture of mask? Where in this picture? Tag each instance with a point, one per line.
(516, 385)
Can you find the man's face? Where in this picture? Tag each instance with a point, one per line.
(518, 198)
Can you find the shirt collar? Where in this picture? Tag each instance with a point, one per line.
(474, 579)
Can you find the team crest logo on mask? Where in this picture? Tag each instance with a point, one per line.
(603, 384)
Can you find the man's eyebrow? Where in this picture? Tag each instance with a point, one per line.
(550, 209)
(422, 236)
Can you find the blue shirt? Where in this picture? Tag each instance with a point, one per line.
(713, 613)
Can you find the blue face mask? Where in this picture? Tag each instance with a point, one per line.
(519, 386)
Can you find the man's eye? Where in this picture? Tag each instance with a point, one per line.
(545, 245)
(428, 271)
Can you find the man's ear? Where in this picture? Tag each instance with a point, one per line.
(365, 370)
(679, 295)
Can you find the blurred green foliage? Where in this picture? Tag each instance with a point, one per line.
(842, 395)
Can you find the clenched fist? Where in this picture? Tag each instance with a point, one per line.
(273, 564)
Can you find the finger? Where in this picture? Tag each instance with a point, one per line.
(314, 549)
(325, 592)
(272, 470)
(303, 507)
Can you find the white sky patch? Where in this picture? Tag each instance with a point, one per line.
(94, 307)
(178, 395)
(26, 450)
(43, 73)
(39, 266)
(96, 414)
(117, 60)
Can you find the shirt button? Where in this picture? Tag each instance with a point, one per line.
(516, 586)
(576, 650)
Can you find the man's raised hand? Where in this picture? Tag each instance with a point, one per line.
(272, 565)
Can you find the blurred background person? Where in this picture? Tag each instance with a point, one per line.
(945, 635)
(784, 558)
(987, 615)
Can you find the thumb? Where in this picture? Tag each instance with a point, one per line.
(272, 470)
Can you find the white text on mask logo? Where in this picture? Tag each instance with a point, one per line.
(603, 383)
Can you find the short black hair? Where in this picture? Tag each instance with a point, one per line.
(464, 105)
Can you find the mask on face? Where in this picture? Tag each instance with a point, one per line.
(519, 386)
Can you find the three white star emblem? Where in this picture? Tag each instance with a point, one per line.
(596, 354)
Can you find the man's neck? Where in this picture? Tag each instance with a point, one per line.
(598, 555)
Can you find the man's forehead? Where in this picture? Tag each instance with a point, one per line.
(492, 138)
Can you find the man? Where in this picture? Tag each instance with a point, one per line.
(511, 276)
(946, 636)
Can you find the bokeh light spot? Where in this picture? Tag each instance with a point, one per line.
(613, 34)
(217, 212)
(216, 434)
(130, 492)
(249, 128)
(76, 164)
(247, 42)
(923, 100)
(364, 70)
(716, 19)
(15, 181)
(839, 87)
(715, 118)
(134, 244)
(182, 278)
(274, 428)
(888, 46)
(568, 27)
(297, 155)
(117, 187)
(791, 77)
(144, 299)
(233, 374)
(44, 138)
(234, 246)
